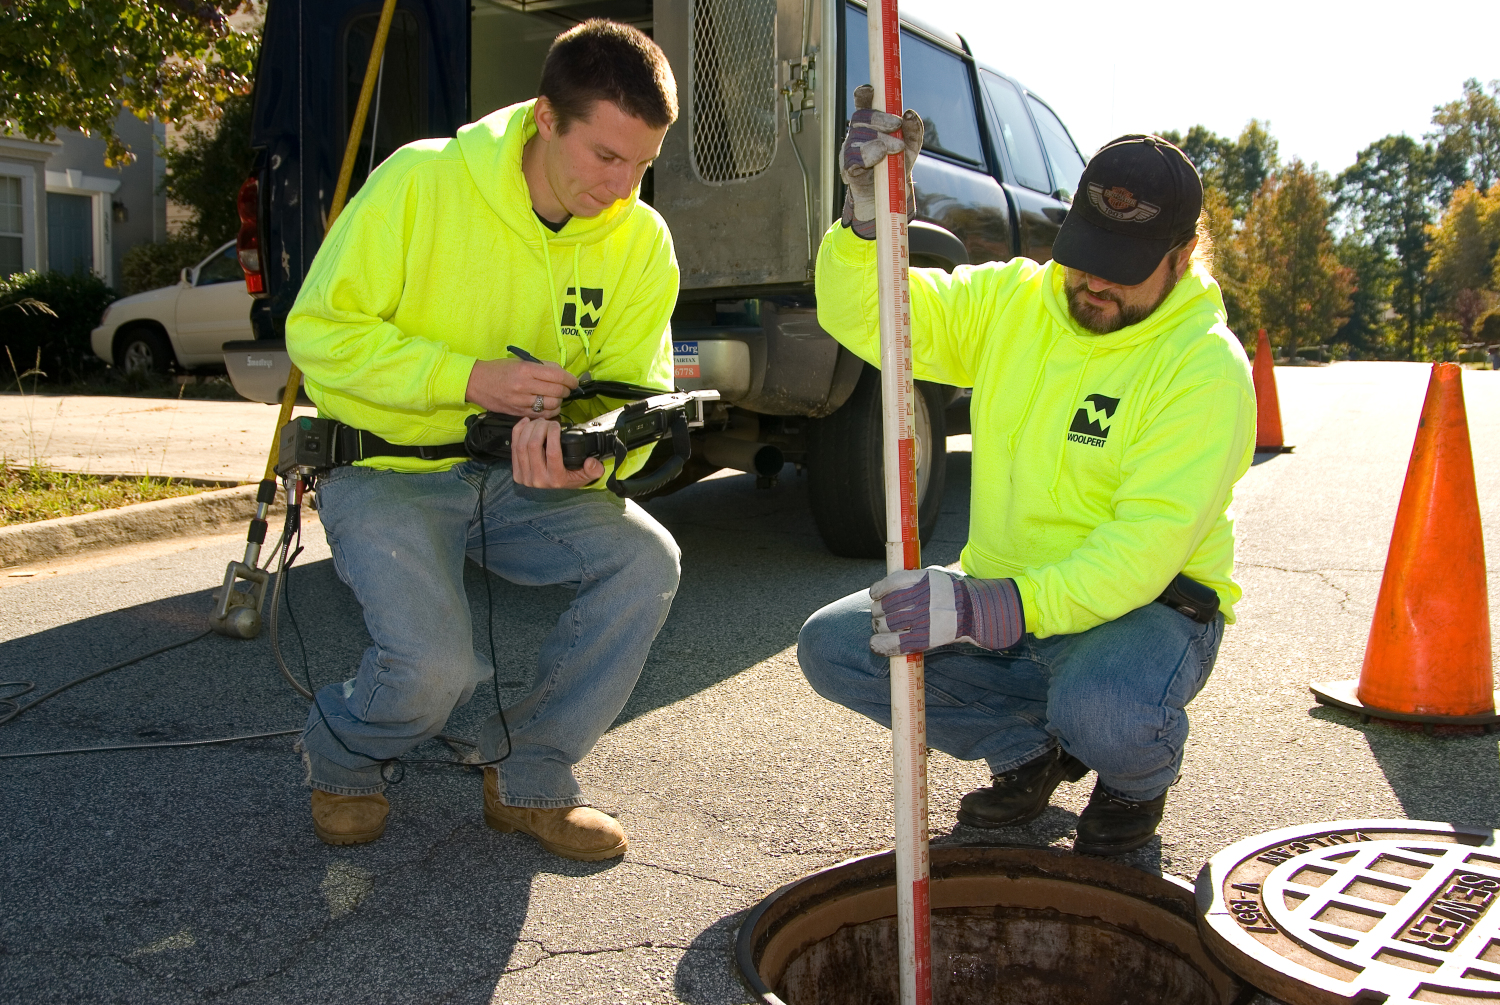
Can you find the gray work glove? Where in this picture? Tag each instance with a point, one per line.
(870, 138)
(919, 609)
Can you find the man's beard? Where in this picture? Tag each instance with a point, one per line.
(1100, 320)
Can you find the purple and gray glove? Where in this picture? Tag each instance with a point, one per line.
(920, 609)
(870, 138)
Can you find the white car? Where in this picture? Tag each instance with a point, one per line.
(183, 326)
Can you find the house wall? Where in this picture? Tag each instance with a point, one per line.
(126, 207)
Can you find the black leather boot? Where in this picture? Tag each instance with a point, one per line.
(1022, 793)
(1111, 825)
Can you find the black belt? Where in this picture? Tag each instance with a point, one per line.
(360, 445)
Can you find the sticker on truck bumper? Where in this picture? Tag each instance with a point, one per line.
(685, 361)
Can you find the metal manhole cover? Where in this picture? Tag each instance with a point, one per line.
(1359, 910)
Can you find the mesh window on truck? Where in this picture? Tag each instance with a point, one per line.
(734, 110)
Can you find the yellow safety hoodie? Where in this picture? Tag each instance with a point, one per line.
(440, 260)
(1103, 464)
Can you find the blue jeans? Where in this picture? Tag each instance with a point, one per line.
(399, 541)
(1112, 696)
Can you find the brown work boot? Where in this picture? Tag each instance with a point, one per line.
(348, 819)
(576, 832)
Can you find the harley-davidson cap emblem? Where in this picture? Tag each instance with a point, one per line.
(1119, 203)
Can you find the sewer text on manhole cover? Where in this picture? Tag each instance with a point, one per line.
(1359, 910)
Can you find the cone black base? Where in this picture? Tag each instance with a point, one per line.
(1343, 694)
(1274, 450)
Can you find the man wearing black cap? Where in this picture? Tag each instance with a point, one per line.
(1113, 412)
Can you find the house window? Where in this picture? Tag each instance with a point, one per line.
(10, 227)
(70, 233)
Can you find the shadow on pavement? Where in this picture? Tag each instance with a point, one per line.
(707, 973)
(1452, 778)
(752, 573)
(192, 874)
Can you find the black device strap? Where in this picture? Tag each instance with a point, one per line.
(641, 484)
(359, 444)
(619, 390)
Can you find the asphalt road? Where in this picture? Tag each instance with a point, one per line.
(193, 875)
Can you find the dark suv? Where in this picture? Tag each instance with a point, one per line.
(747, 180)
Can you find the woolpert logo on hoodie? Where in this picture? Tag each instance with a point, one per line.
(1091, 423)
(582, 307)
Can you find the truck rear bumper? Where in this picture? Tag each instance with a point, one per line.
(259, 368)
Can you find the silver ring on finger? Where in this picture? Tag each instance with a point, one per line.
(538, 405)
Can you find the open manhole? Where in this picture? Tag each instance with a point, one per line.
(1010, 926)
(1359, 911)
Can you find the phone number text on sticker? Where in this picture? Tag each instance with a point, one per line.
(685, 360)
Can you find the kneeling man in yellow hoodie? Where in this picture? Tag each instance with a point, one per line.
(524, 230)
(1112, 414)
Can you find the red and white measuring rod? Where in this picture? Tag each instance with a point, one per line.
(902, 548)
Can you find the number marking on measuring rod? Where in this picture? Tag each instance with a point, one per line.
(903, 548)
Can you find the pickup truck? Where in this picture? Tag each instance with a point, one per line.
(747, 181)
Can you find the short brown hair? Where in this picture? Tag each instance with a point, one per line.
(601, 60)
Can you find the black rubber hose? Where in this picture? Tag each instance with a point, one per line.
(23, 709)
(149, 746)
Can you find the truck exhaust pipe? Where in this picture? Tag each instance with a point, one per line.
(760, 459)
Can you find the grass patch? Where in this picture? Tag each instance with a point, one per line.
(37, 493)
(146, 385)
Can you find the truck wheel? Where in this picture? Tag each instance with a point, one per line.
(845, 469)
(143, 350)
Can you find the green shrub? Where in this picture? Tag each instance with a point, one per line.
(156, 264)
(62, 337)
(207, 167)
(1487, 327)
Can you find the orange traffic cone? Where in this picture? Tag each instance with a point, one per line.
(1428, 658)
(1267, 405)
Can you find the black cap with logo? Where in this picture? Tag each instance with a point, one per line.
(1139, 197)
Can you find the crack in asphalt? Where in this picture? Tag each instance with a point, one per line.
(551, 954)
(1324, 574)
(1343, 592)
(688, 875)
(1306, 572)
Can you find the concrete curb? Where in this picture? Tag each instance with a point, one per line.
(204, 513)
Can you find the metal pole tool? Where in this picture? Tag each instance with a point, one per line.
(237, 612)
(902, 547)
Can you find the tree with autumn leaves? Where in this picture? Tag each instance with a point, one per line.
(1398, 256)
(1293, 283)
(1465, 262)
(72, 64)
(1274, 254)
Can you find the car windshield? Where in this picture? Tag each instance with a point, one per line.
(223, 267)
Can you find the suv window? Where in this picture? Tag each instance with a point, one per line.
(1061, 154)
(1013, 126)
(398, 109)
(222, 268)
(934, 81)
